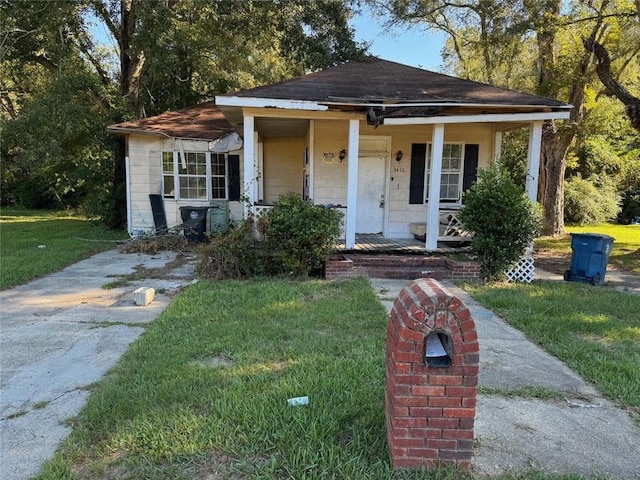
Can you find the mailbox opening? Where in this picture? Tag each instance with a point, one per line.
(437, 350)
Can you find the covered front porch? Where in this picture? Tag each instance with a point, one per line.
(372, 243)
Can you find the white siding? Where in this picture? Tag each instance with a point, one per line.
(330, 180)
(145, 161)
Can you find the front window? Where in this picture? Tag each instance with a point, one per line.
(450, 175)
(218, 176)
(194, 175)
(168, 181)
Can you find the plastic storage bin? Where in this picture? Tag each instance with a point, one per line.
(218, 216)
(589, 258)
(194, 222)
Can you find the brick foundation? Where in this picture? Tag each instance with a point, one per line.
(430, 410)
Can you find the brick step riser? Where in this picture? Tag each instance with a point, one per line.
(400, 263)
(405, 273)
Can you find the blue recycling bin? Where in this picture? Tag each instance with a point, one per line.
(589, 258)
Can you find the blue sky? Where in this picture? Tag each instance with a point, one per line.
(413, 47)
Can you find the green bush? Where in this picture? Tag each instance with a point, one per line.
(591, 201)
(503, 219)
(297, 237)
(300, 234)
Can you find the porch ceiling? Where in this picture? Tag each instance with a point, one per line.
(282, 127)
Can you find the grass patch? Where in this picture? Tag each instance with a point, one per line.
(525, 392)
(203, 393)
(36, 242)
(624, 256)
(593, 330)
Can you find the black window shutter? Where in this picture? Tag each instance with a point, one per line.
(470, 173)
(416, 180)
(234, 177)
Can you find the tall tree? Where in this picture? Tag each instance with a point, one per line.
(544, 36)
(159, 55)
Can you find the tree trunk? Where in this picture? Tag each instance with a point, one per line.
(553, 164)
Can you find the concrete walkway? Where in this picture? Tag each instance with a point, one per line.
(580, 434)
(63, 332)
(60, 334)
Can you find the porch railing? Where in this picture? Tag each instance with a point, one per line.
(451, 227)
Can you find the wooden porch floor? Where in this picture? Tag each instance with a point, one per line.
(376, 243)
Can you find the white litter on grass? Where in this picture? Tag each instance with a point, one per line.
(42, 246)
(298, 401)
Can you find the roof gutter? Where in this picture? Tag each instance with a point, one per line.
(235, 101)
(480, 118)
(443, 104)
(260, 102)
(120, 130)
(124, 131)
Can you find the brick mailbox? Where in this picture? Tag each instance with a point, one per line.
(432, 378)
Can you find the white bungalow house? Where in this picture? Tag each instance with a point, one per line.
(393, 146)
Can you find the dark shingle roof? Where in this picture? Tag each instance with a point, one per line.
(203, 121)
(383, 81)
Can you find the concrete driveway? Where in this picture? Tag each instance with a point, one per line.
(62, 333)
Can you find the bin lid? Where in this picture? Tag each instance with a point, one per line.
(199, 207)
(593, 235)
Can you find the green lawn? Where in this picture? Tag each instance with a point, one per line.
(205, 390)
(36, 242)
(624, 256)
(203, 393)
(595, 331)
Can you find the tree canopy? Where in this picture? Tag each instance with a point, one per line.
(535, 46)
(72, 67)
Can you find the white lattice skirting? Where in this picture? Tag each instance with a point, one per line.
(524, 271)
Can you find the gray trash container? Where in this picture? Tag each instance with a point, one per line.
(589, 258)
(194, 222)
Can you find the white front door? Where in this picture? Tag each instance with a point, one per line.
(371, 186)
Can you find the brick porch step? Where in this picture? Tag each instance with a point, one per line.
(399, 267)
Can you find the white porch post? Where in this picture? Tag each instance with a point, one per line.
(310, 158)
(533, 160)
(433, 206)
(249, 163)
(352, 184)
(497, 145)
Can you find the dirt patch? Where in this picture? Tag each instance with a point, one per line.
(553, 262)
(213, 362)
(153, 244)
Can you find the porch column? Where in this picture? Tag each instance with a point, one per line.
(249, 163)
(533, 160)
(310, 158)
(497, 145)
(352, 184)
(433, 205)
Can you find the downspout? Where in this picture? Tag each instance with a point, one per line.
(127, 173)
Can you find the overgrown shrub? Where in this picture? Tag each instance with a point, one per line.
(590, 201)
(503, 219)
(300, 234)
(296, 236)
(233, 254)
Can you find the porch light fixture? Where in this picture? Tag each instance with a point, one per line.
(399, 155)
(342, 154)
